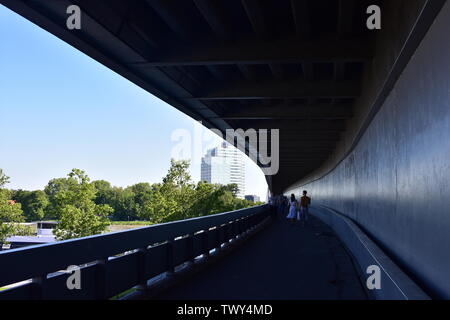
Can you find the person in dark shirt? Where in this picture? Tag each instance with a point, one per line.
(273, 206)
(305, 202)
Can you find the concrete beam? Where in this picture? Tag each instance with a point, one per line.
(169, 11)
(346, 17)
(301, 18)
(264, 52)
(256, 17)
(213, 15)
(295, 126)
(281, 90)
(290, 111)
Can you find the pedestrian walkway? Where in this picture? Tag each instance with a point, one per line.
(280, 262)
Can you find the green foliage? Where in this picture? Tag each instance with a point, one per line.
(124, 205)
(79, 215)
(4, 179)
(130, 223)
(162, 205)
(104, 191)
(178, 174)
(76, 222)
(53, 190)
(121, 200)
(142, 195)
(5, 194)
(10, 213)
(85, 208)
(34, 203)
(178, 198)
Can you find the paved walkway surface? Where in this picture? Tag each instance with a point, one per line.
(282, 261)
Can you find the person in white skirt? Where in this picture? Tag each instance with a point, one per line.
(293, 207)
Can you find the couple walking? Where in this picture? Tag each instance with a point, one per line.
(299, 210)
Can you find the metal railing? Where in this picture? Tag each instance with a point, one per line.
(115, 262)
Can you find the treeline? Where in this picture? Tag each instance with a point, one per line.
(84, 208)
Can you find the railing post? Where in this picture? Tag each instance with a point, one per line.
(246, 224)
(256, 220)
(232, 230)
(236, 229)
(219, 230)
(205, 243)
(251, 220)
(38, 288)
(100, 279)
(142, 260)
(240, 227)
(190, 247)
(226, 233)
(170, 266)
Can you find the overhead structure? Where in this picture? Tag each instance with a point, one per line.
(297, 66)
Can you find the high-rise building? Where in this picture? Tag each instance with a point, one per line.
(252, 198)
(224, 165)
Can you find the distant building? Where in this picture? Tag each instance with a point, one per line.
(44, 234)
(252, 198)
(224, 165)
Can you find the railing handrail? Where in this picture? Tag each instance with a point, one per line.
(29, 262)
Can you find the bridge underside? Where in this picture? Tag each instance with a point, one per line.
(303, 67)
(293, 65)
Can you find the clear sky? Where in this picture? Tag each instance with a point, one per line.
(60, 109)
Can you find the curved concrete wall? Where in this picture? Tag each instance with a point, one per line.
(396, 183)
(395, 284)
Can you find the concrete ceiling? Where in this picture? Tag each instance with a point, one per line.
(290, 65)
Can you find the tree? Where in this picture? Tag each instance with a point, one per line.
(124, 205)
(4, 179)
(165, 201)
(143, 194)
(52, 189)
(215, 198)
(104, 193)
(233, 188)
(121, 200)
(10, 213)
(79, 215)
(177, 198)
(103, 188)
(178, 174)
(34, 203)
(177, 185)
(178, 191)
(160, 206)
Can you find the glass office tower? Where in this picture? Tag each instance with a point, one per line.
(224, 165)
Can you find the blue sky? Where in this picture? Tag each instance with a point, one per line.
(60, 109)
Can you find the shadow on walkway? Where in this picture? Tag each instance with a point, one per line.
(280, 262)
